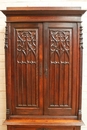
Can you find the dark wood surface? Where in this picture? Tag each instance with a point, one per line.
(62, 65)
(27, 69)
(43, 11)
(43, 50)
(43, 128)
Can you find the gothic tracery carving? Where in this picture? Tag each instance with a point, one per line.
(60, 45)
(26, 46)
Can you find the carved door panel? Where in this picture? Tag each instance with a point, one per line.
(27, 64)
(60, 67)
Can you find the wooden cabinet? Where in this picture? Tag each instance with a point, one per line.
(43, 50)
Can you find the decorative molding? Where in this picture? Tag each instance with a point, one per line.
(59, 45)
(6, 37)
(79, 114)
(7, 111)
(61, 62)
(81, 38)
(54, 62)
(65, 106)
(26, 46)
(26, 62)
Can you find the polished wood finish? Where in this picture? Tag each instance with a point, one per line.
(41, 128)
(43, 11)
(28, 82)
(44, 122)
(43, 52)
(62, 65)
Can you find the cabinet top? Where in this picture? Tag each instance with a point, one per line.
(65, 11)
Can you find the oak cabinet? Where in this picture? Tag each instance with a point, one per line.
(43, 50)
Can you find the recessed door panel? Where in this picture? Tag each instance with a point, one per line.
(59, 69)
(27, 68)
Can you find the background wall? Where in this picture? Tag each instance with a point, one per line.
(10, 3)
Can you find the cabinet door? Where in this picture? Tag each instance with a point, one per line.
(26, 67)
(60, 68)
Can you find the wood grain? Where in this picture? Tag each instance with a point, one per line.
(43, 61)
(43, 122)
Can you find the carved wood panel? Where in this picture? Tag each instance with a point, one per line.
(59, 57)
(27, 84)
(59, 68)
(27, 67)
